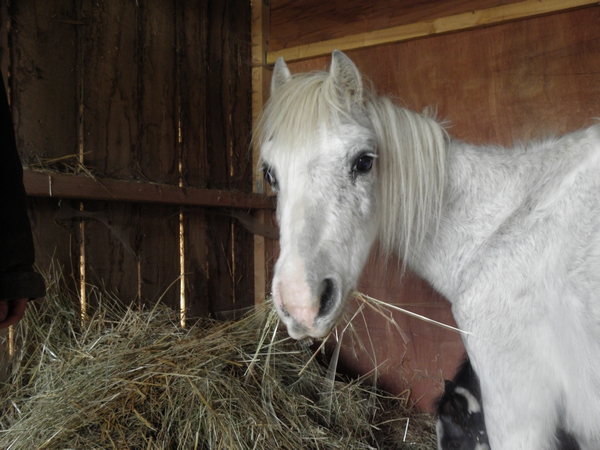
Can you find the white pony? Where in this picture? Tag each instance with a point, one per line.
(510, 237)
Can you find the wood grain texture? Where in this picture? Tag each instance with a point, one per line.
(519, 81)
(38, 184)
(440, 25)
(113, 244)
(191, 56)
(260, 89)
(110, 88)
(157, 116)
(228, 100)
(107, 48)
(154, 92)
(56, 242)
(43, 81)
(229, 96)
(192, 87)
(39, 56)
(158, 244)
(295, 23)
(158, 149)
(197, 264)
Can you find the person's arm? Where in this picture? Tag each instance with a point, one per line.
(18, 281)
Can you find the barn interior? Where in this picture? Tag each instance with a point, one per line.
(134, 119)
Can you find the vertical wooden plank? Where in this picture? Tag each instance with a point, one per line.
(43, 101)
(111, 238)
(43, 85)
(230, 89)
(196, 266)
(193, 107)
(110, 125)
(110, 81)
(191, 81)
(230, 267)
(229, 96)
(130, 132)
(260, 264)
(217, 96)
(271, 251)
(243, 270)
(157, 125)
(157, 143)
(56, 241)
(56, 254)
(260, 89)
(240, 23)
(220, 281)
(159, 254)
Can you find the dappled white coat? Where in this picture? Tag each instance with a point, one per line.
(510, 237)
(518, 255)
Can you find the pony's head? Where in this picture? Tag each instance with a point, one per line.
(321, 140)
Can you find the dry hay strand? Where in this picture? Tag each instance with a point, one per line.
(134, 379)
(67, 164)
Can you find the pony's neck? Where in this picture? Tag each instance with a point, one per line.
(484, 187)
(441, 199)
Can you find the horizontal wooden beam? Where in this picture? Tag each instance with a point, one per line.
(41, 184)
(457, 22)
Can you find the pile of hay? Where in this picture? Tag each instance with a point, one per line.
(130, 379)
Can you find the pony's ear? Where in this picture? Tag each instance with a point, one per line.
(346, 77)
(281, 75)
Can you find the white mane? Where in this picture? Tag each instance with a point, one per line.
(412, 174)
(411, 148)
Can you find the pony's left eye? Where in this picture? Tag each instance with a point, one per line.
(269, 174)
(363, 163)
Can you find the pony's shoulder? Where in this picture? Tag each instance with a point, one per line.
(580, 149)
(583, 136)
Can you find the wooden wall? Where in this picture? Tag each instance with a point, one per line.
(296, 23)
(152, 92)
(500, 84)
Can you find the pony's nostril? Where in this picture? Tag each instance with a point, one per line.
(327, 297)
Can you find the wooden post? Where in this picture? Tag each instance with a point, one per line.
(260, 82)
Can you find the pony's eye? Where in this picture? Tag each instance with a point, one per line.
(269, 174)
(363, 164)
